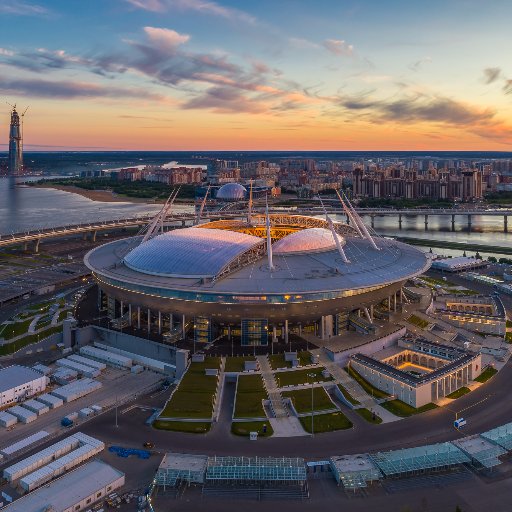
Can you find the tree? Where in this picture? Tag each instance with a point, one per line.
(492, 259)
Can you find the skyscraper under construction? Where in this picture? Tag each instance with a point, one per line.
(15, 145)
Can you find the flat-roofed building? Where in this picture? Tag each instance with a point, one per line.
(19, 382)
(75, 491)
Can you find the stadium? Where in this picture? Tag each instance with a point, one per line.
(255, 278)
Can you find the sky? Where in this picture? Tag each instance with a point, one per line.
(258, 74)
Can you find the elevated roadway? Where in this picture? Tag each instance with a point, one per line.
(91, 229)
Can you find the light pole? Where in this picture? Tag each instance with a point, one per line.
(312, 376)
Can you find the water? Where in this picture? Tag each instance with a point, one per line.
(27, 208)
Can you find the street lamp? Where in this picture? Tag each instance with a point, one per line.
(312, 376)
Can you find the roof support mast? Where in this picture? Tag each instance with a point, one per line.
(202, 205)
(350, 216)
(249, 216)
(269, 238)
(158, 221)
(334, 234)
(359, 222)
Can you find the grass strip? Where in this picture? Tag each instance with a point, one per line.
(399, 408)
(369, 388)
(249, 395)
(326, 422)
(487, 374)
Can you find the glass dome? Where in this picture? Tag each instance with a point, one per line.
(307, 240)
(231, 192)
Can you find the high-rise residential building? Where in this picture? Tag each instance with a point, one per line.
(15, 165)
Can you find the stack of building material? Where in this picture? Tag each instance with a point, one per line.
(23, 415)
(27, 441)
(109, 358)
(87, 371)
(51, 401)
(36, 406)
(76, 389)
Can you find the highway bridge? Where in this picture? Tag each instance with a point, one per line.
(91, 229)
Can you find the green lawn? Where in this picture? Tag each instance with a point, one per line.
(348, 396)
(194, 396)
(294, 377)
(193, 427)
(460, 392)
(326, 422)
(302, 399)
(244, 428)
(508, 337)
(369, 388)
(419, 322)
(236, 364)
(368, 416)
(249, 395)
(42, 323)
(487, 374)
(17, 329)
(399, 408)
(277, 360)
(63, 315)
(14, 346)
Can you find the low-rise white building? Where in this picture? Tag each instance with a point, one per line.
(77, 490)
(20, 382)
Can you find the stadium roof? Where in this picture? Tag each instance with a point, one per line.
(190, 252)
(308, 240)
(15, 375)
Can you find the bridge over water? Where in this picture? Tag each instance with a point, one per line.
(91, 229)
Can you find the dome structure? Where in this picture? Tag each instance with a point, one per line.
(190, 252)
(307, 241)
(231, 192)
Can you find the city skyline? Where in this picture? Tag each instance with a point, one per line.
(231, 75)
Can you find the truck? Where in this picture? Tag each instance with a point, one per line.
(69, 420)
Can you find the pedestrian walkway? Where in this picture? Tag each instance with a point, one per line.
(356, 391)
(271, 386)
(32, 326)
(220, 389)
(287, 427)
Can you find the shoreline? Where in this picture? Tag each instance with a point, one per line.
(102, 196)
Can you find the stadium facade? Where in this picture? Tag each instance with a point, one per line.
(257, 278)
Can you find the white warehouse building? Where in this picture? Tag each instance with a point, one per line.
(77, 490)
(20, 382)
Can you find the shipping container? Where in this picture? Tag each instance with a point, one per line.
(51, 401)
(82, 369)
(23, 415)
(27, 441)
(104, 356)
(45, 370)
(36, 406)
(85, 412)
(7, 420)
(88, 362)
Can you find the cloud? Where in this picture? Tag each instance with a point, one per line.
(338, 47)
(416, 66)
(5, 52)
(199, 6)
(224, 100)
(301, 43)
(507, 88)
(21, 8)
(491, 75)
(71, 90)
(420, 108)
(165, 39)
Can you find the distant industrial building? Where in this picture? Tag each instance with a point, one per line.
(75, 491)
(459, 264)
(19, 382)
(418, 372)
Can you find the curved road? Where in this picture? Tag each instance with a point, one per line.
(484, 408)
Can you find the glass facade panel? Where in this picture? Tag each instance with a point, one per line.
(254, 332)
(202, 329)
